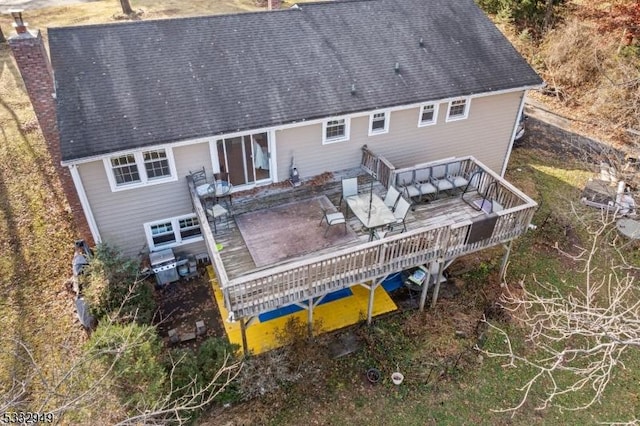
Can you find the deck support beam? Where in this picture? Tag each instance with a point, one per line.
(436, 289)
(425, 287)
(505, 260)
(310, 316)
(243, 332)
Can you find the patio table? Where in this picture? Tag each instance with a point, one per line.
(371, 212)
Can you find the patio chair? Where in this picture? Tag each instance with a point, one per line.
(439, 178)
(400, 213)
(456, 176)
(332, 218)
(349, 188)
(422, 181)
(391, 198)
(214, 212)
(203, 188)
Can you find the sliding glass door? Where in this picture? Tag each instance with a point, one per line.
(245, 158)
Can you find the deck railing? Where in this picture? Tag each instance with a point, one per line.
(377, 166)
(298, 281)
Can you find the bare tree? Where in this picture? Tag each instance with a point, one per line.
(126, 7)
(579, 338)
(87, 382)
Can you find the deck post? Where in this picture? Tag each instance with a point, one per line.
(437, 287)
(372, 290)
(243, 332)
(505, 259)
(310, 317)
(425, 288)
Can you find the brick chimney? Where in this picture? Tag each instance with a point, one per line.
(33, 62)
(273, 4)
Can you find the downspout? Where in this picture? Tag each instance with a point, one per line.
(513, 135)
(84, 202)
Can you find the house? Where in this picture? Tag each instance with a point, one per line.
(140, 105)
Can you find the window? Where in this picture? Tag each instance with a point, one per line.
(378, 123)
(428, 115)
(458, 110)
(136, 169)
(173, 232)
(125, 169)
(335, 130)
(156, 164)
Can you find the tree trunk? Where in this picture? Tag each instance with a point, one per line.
(548, 15)
(126, 7)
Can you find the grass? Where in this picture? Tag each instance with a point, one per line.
(36, 238)
(440, 386)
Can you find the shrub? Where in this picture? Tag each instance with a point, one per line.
(114, 287)
(133, 353)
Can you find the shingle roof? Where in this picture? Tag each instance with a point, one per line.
(124, 86)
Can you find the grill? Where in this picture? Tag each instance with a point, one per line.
(164, 266)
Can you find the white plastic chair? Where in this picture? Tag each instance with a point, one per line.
(349, 188)
(391, 198)
(332, 218)
(401, 211)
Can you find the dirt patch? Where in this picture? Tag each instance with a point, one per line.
(182, 304)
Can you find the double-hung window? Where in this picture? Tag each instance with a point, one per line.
(458, 109)
(335, 130)
(173, 232)
(378, 123)
(428, 115)
(135, 169)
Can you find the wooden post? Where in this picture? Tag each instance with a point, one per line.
(437, 287)
(505, 259)
(372, 290)
(425, 288)
(310, 317)
(243, 331)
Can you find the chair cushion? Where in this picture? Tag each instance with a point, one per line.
(335, 218)
(412, 191)
(427, 188)
(204, 189)
(458, 181)
(444, 184)
(216, 211)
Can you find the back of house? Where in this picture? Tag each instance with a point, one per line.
(142, 104)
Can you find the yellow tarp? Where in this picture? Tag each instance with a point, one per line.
(261, 336)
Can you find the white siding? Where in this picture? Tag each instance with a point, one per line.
(120, 215)
(485, 134)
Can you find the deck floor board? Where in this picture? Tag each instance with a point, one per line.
(237, 258)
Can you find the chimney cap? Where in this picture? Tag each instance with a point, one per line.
(19, 24)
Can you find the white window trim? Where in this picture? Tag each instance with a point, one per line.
(466, 109)
(347, 125)
(175, 223)
(144, 180)
(387, 116)
(435, 114)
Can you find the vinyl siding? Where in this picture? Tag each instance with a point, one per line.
(120, 215)
(485, 133)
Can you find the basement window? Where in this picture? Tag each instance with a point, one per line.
(336, 130)
(136, 169)
(173, 232)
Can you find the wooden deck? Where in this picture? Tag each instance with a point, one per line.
(238, 260)
(437, 232)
